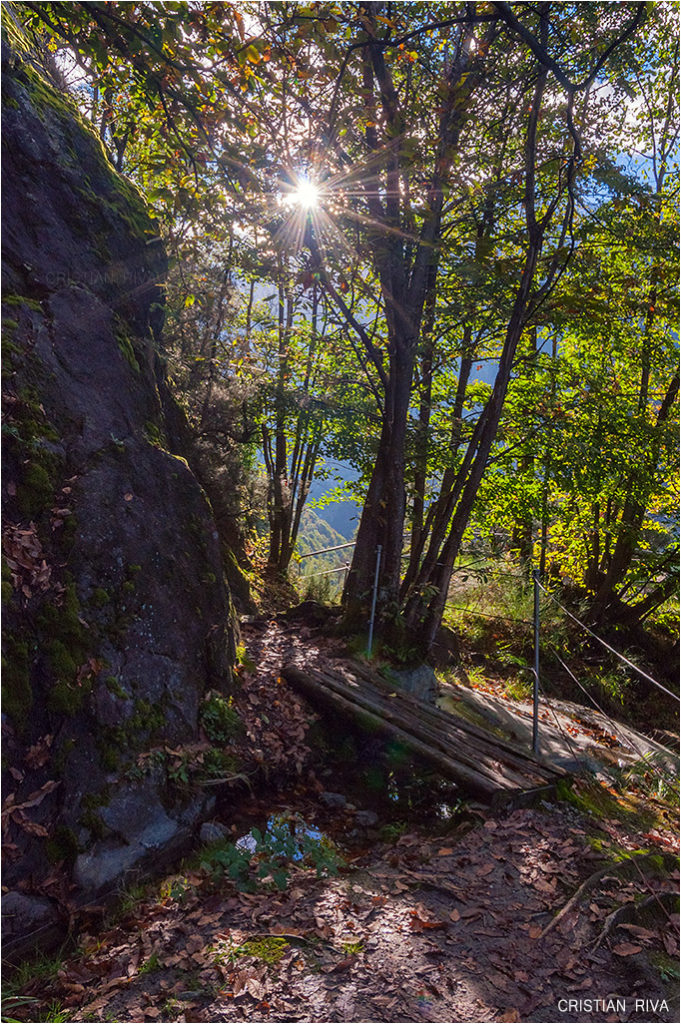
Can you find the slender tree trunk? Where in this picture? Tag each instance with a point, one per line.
(422, 430)
(441, 511)
(404, 285)
(441, 576)
(548, 463)
(290, 461)
(277, 467)
(382, 521)
(633, 514)
(522, 539)
(423, 612)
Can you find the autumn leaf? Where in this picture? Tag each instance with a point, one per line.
(626, 949)
(638, 931)
(38, 754)
(419, 924)
(343, 965)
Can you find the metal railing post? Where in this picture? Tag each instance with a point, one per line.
(370, 643)
(535, 689)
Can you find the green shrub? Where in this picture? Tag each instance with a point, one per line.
(219, 719)
(270, 856)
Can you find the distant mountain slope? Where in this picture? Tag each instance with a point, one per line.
(343, 515)
(316, 534)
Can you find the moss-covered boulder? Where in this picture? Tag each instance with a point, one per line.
(116, 615)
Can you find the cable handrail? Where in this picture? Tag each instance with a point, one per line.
(626, 661)
(562, 731)
(487, 615)
(323, 551)
(627, 740)
(326, 572)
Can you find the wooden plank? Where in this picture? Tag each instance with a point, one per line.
(445, 728)
(484, 758)
(496, 772)
(479, 784)
(356, 668)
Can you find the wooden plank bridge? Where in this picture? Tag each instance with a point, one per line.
(492, 769)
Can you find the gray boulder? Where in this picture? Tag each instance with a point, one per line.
(213, 832)
(334, 800)
(22, 914)
(420, 682)
(116, 614)
(366, 819)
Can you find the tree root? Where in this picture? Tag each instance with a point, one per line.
(659, 905)
(626, 868)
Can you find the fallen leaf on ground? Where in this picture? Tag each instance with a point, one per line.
(626, 949)
(638, 931)
(343, 965)
(419, 924)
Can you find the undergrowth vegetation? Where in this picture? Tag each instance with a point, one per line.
(491, 611)
(266, 857)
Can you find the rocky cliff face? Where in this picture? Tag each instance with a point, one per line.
(116, 616)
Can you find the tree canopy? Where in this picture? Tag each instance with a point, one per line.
(436, 240)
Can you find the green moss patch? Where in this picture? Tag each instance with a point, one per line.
(599, 801)
(127, 351)
(21, 300)
(17, 693)
(35, 491)
(62, 846)
(67, 644)
(269, 949)
(120, 743)
(100, 597)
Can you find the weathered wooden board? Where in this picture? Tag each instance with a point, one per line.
(493, 769)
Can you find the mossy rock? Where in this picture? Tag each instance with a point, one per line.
(17, 692)
(62, 846)
(36, 491)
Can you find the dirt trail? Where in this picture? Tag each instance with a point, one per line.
(423, 928)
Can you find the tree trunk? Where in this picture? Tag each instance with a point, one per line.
(404, 285)
(424, 612)
(382, 521)
(426, 625)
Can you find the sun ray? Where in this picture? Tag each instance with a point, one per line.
(306, 194)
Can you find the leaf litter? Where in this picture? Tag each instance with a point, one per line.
(430, 927)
